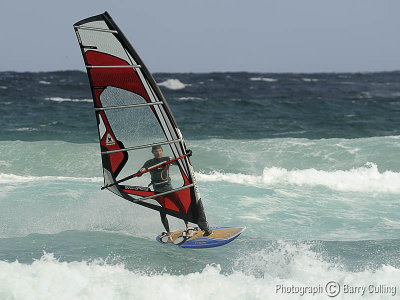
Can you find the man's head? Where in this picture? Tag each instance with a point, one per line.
(157, 151)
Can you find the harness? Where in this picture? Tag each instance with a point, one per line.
(164, 179)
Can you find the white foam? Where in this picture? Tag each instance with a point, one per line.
(256, 276)
(190, 98)
(309, 79)
(48, 278)
(267, 79)
(3, 87)
(173, 84)
(44, 82)
(60, 99)
(287, 263)
(23, 129)
(14, 179)
(253, 217)
(364, 179)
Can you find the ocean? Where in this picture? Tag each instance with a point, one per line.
(309, 163)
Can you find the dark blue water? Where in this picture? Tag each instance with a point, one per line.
(222, 105)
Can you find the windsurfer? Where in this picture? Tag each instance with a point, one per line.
(162, 183)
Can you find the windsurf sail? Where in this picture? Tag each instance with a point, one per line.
(132, 117)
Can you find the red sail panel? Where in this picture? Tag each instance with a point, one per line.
(124, 78)
(178, 201)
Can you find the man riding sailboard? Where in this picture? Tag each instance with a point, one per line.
(161, 182)
(132, 117)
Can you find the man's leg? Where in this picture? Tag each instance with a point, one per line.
(202, 221)
(164, 221)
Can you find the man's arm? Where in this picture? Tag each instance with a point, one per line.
(145, 167)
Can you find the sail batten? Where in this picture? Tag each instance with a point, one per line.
(111, 67)
(95, 29)
(128, 106)
(143, 146)
(132, 116)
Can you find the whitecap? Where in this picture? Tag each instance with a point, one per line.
(252, 217)
(44, 82)
(22, 129)
(364, 179)
(190, 98)
(173, 84)
(15, 179)
(60, 99)
(267, 79)
(309, 79)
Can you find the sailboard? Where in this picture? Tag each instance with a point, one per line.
(220, 236)
(132, 118)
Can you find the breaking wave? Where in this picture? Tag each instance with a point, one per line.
(173, 84)
(14, 179)
(309, 79)
(263, 79)
(190, 98)
(262, 274)
(363, 179)
(44, 82)
(60, 99)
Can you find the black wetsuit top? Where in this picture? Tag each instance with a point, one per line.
(161, 174)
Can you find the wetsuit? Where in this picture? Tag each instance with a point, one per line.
(161, 182)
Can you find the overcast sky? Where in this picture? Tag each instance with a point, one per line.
(211, 35)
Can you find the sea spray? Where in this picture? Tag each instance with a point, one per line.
(292, 266)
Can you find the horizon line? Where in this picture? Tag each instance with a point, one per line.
(213, 72)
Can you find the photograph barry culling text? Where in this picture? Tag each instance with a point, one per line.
(339, 289)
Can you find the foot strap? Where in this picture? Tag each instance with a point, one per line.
(164, 237)
(207, 233)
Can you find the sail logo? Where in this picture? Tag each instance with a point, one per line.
(109, 140)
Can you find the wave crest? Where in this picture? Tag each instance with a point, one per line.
(11, 178)
(284, 264)
(364, 179)
(61, 99)
(173, 84)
